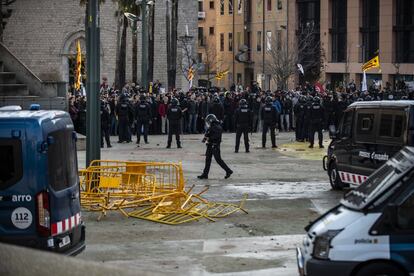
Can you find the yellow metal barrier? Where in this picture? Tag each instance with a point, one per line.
(147, 190)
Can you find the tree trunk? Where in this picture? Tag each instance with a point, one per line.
(122, 54)
(174, 36)
(168, 29)
(135, 51)
(118, 47)
(1, 20)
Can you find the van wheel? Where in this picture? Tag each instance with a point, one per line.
(334, 178)
(380, 269)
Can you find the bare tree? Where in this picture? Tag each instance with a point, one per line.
(210, 60)
(186, 56)
(282, 59)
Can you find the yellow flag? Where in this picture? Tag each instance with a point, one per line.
(78, 66)
(190, 74)
(373, 63)
(220, 75)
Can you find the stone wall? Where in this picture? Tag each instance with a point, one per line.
(42, 33)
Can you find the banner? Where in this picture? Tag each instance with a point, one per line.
(373, 63)
(364, 83)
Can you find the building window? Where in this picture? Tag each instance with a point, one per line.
(201, 36)
(338, 30)
(211, 5)
(211, 30)
(259, 7)
(279, 40)
(230, 42)
(404, 31)
(259, 41)
(279, 4)
(221, 7)
(268, 41)
(230, 6)
(269, 5)
(221, 42)
(200, 57)
(370, 29)
(200, 6)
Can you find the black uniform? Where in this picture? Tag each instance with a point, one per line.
(174, 115)
(105, 126)
(316, 119)
(124, 113)
(270, 117)
(142, 117)
(243, 121)
(213, 136)
(300, 110)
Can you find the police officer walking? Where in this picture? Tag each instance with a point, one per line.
(174, 115)
(123, 111)
(243, 121)
(105, 125)
(212, 138)
(270, 116)
(142, 118)
(316, 119)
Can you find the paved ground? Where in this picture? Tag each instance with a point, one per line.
(287, 188)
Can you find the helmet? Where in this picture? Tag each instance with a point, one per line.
(368, 98)
(174, 102)
(216, 99)
(268, 100)
(243, 102)
(211, 118)
(302, 99)
(316, 99)
(142, 98)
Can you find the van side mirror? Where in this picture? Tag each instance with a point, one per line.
(391, 212)
(333, 133)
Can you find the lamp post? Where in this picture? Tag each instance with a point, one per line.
(144, 61)
(93, 119)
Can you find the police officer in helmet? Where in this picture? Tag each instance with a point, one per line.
(174, 115)
(105, 125)
(243, 121)
(142, 118)
(125, 117)
(316, 119)
(212, 138)
(270, 116)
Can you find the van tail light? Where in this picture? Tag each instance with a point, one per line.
(43, 214)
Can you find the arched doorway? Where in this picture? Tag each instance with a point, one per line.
(68, 54)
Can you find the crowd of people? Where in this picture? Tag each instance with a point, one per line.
(305, 110)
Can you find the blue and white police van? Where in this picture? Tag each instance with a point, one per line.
(371, 232)
(39, 183)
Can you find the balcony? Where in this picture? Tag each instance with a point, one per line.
(201, 15)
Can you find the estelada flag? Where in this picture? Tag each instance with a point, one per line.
(220, 75)
(190, 74)
(78, 66)
(373, 63)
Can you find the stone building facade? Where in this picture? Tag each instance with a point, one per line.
(43, 35)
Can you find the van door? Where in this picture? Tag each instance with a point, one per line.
(402, 239)
(64, 187)
(364, 142)
(342, 146)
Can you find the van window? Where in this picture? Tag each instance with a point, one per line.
(392, 127)
(11, 166)
(62, 160)
(406, 214)
(365, 127)
(386, 125)
(346, 129)
(398, 125)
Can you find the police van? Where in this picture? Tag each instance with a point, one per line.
(39, 184)
(369, 134)
(371, 232)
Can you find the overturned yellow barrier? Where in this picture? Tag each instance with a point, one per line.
(147, 190)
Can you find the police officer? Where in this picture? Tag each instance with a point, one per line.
(213, 140)
(143, 118)
(174, 115)
(300, 109)
(316, 119)
(105, 125)
(243, 121)
(270, 117)
(124, 113)
(217, 109)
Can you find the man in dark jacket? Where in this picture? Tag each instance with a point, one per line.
(213, 139)
(270, 117)
(174, 115)
(217, 109)
(243, 121)
(142, 118)
(125, 115)
(105, 125)
(316, 119)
